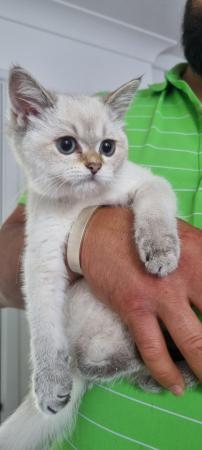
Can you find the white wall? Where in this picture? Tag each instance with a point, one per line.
(71, 50)
(68, 50)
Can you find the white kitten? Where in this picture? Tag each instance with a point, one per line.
(74, 153)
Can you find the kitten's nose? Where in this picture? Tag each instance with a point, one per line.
(94, 166)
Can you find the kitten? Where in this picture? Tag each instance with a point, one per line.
(74, 153)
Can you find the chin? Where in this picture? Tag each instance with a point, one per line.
(89, 187)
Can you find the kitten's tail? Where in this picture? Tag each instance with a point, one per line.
(30, 429)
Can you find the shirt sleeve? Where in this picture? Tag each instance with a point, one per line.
(23, 199)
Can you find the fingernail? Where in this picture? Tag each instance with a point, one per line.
(177, 390)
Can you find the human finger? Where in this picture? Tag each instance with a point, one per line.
(152, 347)
(186, 331)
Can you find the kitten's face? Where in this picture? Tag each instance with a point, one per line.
(68, 146)
(75, 147)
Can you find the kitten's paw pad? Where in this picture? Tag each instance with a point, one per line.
(52, 387)
(52, 394)
(160, 255)
(49, 397)
(161, 263)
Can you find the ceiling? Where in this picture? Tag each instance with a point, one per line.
(157, 16)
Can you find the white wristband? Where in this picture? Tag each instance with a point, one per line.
(75, 238)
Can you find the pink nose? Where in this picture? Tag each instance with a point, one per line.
(94, 166)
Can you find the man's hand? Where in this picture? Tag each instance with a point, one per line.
(112, 267)
(11, 249)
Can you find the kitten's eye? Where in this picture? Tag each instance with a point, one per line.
(107, 147)
(66, 145)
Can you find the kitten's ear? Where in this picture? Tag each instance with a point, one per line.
(26, 95)
(119, 100)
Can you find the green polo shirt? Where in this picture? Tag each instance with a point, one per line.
(164, 128)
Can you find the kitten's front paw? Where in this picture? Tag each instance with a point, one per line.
(159, 252)
(53, 385)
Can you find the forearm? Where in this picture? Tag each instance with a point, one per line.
(112, 267)
(108, 248)
(120, 252)
(11, 248)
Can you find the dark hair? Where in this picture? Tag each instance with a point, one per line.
(192, 35)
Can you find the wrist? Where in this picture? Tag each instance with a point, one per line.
(75, 238)
(107, 224)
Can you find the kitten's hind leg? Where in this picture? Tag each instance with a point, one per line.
(189, 377)
(103, 346)
(144, 379)
(101, 363)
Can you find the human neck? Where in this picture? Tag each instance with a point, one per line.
(194, 81)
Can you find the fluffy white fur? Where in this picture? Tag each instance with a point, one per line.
(74, 338)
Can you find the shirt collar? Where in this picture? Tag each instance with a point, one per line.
(173, 77)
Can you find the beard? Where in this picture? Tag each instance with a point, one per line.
(192, 34)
